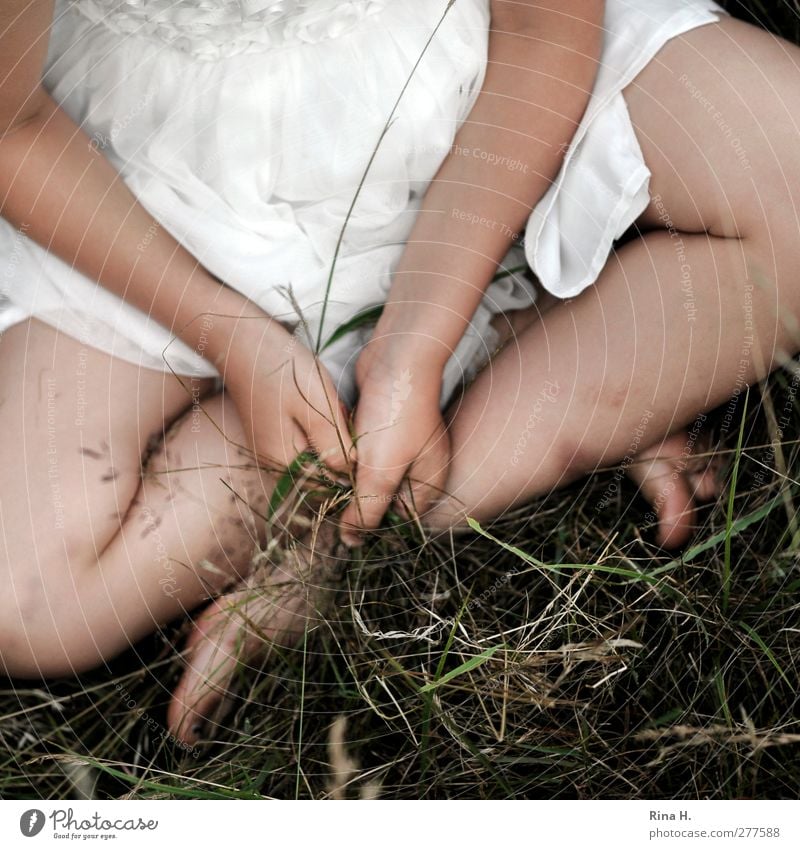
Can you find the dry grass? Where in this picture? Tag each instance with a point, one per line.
(458, 669)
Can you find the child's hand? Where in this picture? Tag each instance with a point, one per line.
(286, 398)
(400, 432)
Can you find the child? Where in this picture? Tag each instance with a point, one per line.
(206, 162)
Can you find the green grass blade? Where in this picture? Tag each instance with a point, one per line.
(713, 541)
(450, 638)
(185, 792)
(467, 666)
(427, 713)
(722, 694)
(767, 651)
(368, 316)
(287, 480)
(559, 568)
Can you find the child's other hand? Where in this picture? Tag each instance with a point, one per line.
(286, 398)
(400, 433)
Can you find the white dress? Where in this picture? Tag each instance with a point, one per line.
(246, 126)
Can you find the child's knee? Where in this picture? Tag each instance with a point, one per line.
(43, 635)
(40, 611)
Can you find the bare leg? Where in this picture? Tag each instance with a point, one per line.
(97, 550)
(671, 475)
(648, 346)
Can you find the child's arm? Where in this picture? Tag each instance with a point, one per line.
(71, 200)
(543, 58)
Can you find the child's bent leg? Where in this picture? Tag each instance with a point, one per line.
(671, 476)
(96, 553)
(680, 320)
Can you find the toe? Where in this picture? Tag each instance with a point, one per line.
(704, 475)
(676, 516)
(213, 652)
(703, 469)
(705, 484)
(667, 490)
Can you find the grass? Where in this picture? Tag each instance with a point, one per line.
(557, 653)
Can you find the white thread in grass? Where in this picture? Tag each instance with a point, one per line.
(428, 634)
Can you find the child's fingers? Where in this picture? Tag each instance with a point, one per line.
(333, 443)
(293, 442)
(426, 482)
(376, 488)
(323, 417)
(277, 443)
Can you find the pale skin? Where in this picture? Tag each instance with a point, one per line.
(125, 554)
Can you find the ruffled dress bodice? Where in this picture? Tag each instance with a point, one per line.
(215, 29)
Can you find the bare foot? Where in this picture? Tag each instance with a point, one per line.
(673, 478)
(279, 602)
